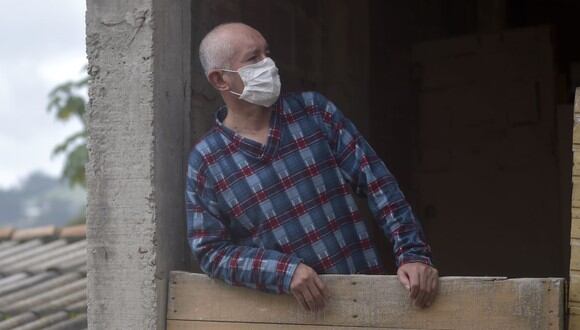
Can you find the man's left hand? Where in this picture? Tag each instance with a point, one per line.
(421, 280)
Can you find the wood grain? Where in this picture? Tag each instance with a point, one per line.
(574, 285)
(574, 291)
(574, 254)
(186, 325)
(377, 301)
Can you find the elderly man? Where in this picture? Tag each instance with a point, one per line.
(268, 206)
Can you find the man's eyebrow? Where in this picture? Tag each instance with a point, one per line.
(254, 50)
(251, 51)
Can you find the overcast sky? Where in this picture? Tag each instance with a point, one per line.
(42, 44)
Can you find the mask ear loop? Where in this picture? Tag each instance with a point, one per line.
(231, 91)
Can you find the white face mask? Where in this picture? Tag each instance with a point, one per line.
(261, 82)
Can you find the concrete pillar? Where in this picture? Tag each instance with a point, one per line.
(140, 67)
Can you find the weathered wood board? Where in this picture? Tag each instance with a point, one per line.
(574, 318)
(197, 301)
(574, 284)
(575, 190)
(184, 325)
(575, 223)
(575, 255)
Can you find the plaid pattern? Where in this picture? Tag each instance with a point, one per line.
(254, 211)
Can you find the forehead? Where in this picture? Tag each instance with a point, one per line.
(245, 39)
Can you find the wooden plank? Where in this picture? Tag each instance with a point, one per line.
(575, 191)
(574, 226)
(574, 287)
(574, 254)
(574, 292)
(574, 318)
(576, 158)
(186, 325)
(577, 101)
(576, 129)
(573, 307)
(378, 301)
(574, 322)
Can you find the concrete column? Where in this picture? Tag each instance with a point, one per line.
(139, 133)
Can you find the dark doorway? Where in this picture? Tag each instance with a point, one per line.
(467, 102)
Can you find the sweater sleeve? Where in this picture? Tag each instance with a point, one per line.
(210, 242)
(370, 177)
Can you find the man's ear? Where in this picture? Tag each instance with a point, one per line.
(217, 81)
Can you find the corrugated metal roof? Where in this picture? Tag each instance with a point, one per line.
(43, 279)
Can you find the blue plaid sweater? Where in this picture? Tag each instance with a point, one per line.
(254, 211)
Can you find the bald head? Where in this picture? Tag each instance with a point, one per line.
(219, 47)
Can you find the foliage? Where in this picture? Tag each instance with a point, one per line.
(68, 101)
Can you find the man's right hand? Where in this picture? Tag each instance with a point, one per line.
(308, 288)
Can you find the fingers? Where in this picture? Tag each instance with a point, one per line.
(423, 283)
(412, 282)
(310, 300)
(434, 286)
(415, 285)
(308, 288)
(421, 291)
(313, 297)
(431, 285)
(322, 287)
(317, 296)
(404, 279)
(301, 301)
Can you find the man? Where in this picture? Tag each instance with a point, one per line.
(266, 198)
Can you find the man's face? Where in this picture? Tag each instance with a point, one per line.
(249, 47)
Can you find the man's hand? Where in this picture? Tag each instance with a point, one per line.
(308, 289)
(421, 280)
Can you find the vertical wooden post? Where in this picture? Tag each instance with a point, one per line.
(574, 292)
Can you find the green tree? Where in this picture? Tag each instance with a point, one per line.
(67, 101)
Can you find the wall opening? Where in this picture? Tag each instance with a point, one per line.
(467, 102)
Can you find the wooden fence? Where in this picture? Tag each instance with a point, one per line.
(365, 301)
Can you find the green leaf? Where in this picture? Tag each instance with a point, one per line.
(66, 101)
(74, 167)
(62, 147)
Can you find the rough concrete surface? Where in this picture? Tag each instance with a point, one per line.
(139, 64)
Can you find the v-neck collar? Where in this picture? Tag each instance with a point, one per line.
(251, 147)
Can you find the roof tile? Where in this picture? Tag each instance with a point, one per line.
(43, 278)
(36, 232)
